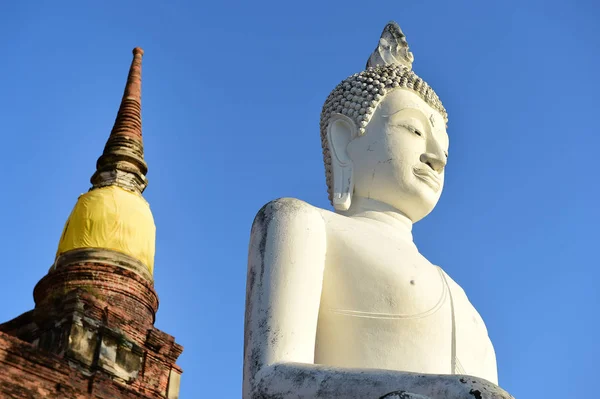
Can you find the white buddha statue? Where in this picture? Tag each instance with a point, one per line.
(342, 304)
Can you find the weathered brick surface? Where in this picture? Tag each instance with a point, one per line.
(125, 300)
(91, 335)
(29, 373)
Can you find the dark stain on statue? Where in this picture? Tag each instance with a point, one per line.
(260, 224)
(274, 339)
(251, 278)
(394, 395)
(300, 377)
(476, 393)
(255, 362)
(263, 325)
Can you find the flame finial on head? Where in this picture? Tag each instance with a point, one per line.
(392, 48)
(357, 97)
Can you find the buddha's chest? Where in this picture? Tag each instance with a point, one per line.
(384, 305)
(381, 276)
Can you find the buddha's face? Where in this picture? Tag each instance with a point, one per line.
(401, 157)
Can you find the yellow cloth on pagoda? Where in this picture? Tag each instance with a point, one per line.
(111, 218)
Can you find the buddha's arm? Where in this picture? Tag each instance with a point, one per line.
(285, 272)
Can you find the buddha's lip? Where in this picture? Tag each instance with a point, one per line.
(432, 179)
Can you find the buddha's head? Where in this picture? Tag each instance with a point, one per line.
(384, 135)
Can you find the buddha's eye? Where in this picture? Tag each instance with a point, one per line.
(410, 128)
(414, 130)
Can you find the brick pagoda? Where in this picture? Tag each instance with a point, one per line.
(91, 333)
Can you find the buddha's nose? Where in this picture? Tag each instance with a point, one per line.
(436, 162)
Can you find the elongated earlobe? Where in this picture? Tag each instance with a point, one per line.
(340, 132)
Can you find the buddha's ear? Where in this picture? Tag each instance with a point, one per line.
(340, 132)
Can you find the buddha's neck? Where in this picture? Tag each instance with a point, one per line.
(372, 209)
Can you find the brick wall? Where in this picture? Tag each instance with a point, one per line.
(91, 335)
(30, 373)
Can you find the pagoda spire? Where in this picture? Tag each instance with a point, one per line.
(91, 333)
(122, 162)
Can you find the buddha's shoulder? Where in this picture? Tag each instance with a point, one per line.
(293, 210)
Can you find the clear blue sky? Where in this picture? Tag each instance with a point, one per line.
(232, 93)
